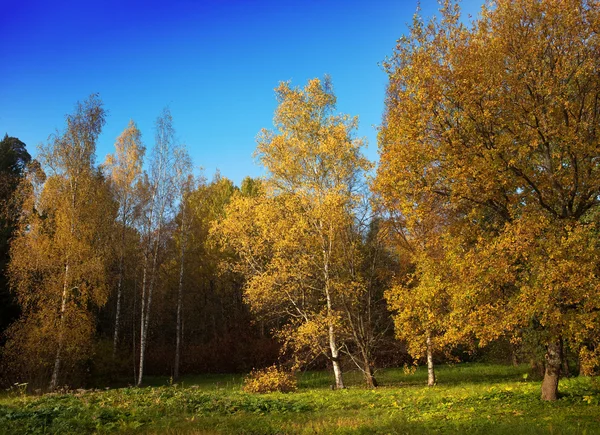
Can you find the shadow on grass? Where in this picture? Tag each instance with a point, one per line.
(208, 381)
(465, 373)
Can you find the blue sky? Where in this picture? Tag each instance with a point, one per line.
(214, 63)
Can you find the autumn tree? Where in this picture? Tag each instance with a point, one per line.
(422, 307)
(60, 253)
(420, 297)
(500, 122)
(13, 161)
(124, 169)
(288, 238)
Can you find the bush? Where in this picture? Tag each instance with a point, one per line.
(270, 380)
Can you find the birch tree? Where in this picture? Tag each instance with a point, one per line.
(59, 257)
(313, 164)
(124, 169)
(160, 187)
(185, 185)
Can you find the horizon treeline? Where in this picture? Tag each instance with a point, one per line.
(477, 235)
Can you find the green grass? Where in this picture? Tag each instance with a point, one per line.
(470, 398)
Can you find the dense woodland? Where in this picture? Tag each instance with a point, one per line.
(476, 235)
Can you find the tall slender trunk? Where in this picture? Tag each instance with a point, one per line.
(552, 372)
(133, 328)
(335, 355)
(61, 331)
(145, 321)
(142, 317)
(180, 298)
(430, 367)
(63, 303)
(119, 291)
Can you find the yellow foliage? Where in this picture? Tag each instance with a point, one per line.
(490, 164)
(270, 380)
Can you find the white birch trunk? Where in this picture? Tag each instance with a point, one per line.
(142, 316)
(118, 313)
(63, 308)
(430, 367)
(145, 322)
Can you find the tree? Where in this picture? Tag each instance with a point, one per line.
(290, 240)
(500, 122)
(365, 271)
(13, 161)
(422, 307)
(184, 184)
(421, 297)
(59, 256)
(124, 169)
(161, 191)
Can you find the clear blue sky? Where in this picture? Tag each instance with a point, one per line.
(214, 63)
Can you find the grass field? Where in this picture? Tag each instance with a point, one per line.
(470, 398)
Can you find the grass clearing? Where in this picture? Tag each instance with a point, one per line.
(470, 398)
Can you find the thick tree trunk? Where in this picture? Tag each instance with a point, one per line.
(63, 308)
(552, 371)
(430, 367)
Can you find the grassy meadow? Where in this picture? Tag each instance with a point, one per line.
(469, 398)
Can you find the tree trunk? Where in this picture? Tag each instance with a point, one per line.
(565, 361)
(369, 375)
(335, 356)
(142, 354)
(430, 367)
(119, 291)
(146, 316)
(335, 359)
(133, 328)
(552, 371)
(179, 299)
(514, 355)
(63, 308)
(142, 317)
(117, 315)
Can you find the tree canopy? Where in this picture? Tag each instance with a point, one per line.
(498, 124)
